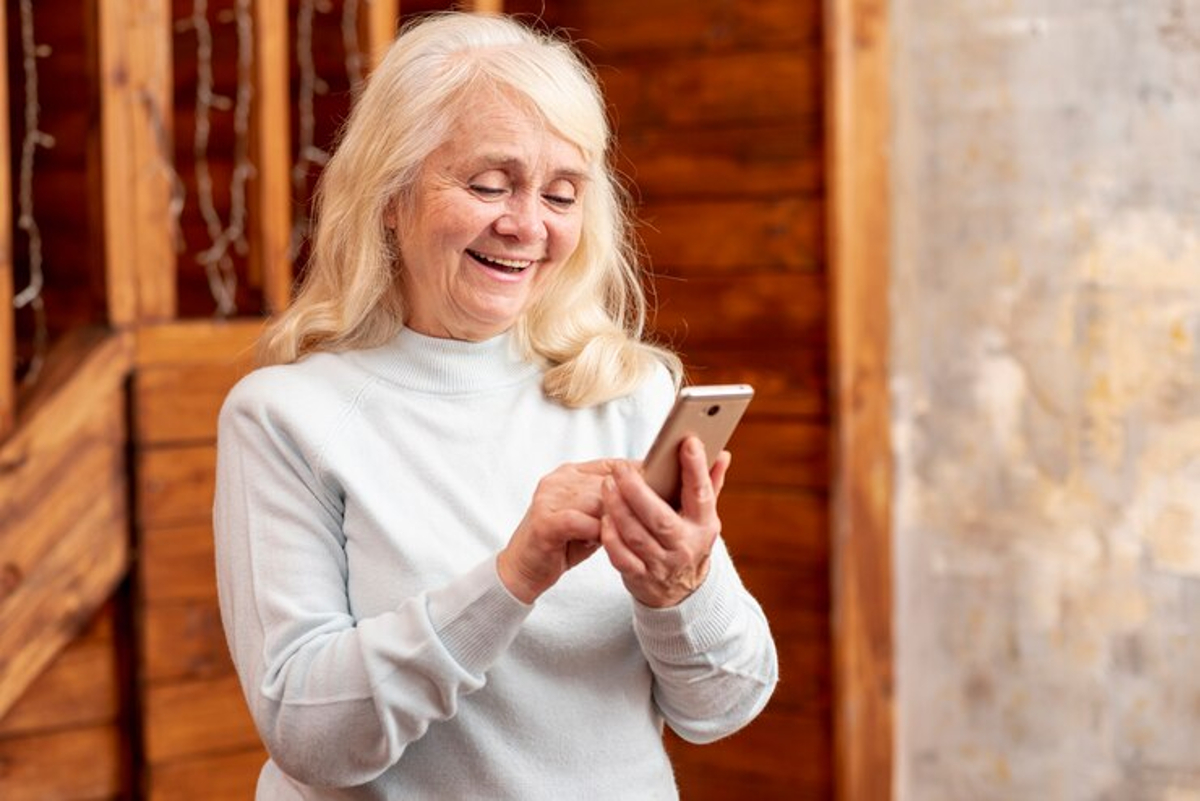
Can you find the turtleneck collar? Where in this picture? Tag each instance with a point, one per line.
(449, 366)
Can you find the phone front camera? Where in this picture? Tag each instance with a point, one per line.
(711, 410)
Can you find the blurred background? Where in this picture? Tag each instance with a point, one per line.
(955, 246)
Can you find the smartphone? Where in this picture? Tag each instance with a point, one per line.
(710, 412)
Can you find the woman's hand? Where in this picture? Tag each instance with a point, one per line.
(560, 529)
(661, 554)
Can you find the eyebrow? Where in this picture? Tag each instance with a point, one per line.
(513, 164)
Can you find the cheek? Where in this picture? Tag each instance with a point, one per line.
(567, 235)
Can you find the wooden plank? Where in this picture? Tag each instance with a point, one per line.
(487, 6)
(78, 689)
(781, 312)
(779, 453)
(151, 98)
(762, 526)
(8, 334)
(51, 604)
(197, 342)
(270, 211)
(859, 139)
(176, 564)
(620, 29)
(379, 29)
(790, 380)
(759, 161)
(730, 236)
(183, 641)
(80, 763)
(85, 367)
(196, 718)
(116, 158)
(776, 756)
(180, 404)
(135, 87)
(740, 88)
(210, 778)
(175, 485)
(46, 497)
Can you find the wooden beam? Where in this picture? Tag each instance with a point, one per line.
(196, 342)
(155, 181)
(133, 51)
(859, 123)
(64, 544)
(379, 29)
(8, 334)
(488, 6)
(270, 125)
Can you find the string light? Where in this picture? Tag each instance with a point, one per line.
(308, 155)
(164, 161)
(31, 295)
(217, 259)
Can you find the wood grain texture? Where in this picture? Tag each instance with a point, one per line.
(179, 405)
(232, 776)
(733, 236)
(134, 79)
(184, 641)
(175, 485)
(197, 342)
(8, 344)
(715, 90)
(859, 131)
(82, 763)
(177, 564)
(196, 718)
(64, 545)
(623, 29)
(379, 28)
(270, 194)
(78, 689)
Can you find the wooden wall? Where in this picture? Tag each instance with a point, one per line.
(719, 109)
(719, 114)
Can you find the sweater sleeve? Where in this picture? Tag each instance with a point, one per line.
(336, 699)
(713, 656)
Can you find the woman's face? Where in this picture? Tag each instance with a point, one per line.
(496, 209)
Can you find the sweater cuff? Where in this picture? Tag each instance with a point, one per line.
(477, 618)
(697, 623)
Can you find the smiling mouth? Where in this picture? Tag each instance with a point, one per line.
(510, 266)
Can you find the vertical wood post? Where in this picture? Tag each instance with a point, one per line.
(133, 50)
(8, 334)
(488, 6)
(859, 126)
(270, 126)
(379, 29)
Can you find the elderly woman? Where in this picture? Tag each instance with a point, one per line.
(411, 495)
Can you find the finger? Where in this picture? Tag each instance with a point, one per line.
(629, 526)
(719, 470)
(698, 498)
(652, 514)
(598, 467)
(622, 559)
(572, 524)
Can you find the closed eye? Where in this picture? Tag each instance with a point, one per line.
(560, 201)
(486, 191)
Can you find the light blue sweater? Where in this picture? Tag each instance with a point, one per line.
(361, 501)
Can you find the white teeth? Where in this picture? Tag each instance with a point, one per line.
(512, 264)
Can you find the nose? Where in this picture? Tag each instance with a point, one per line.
(523, 218)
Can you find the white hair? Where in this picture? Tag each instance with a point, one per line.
(587, 323)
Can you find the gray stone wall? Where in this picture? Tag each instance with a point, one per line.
(1046, 398)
